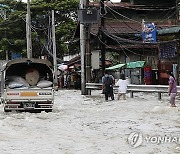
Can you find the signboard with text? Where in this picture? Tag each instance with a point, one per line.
(149, 32)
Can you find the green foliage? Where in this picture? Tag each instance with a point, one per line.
(19, 42)
(13, 28)
(4, 44)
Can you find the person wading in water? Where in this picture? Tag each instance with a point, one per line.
(107, 85)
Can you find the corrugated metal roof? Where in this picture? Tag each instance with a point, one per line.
(134, 6)
(128, 27)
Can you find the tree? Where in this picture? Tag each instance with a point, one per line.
(13, 29)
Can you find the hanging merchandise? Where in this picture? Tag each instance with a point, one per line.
(147, 75)
(167, 50)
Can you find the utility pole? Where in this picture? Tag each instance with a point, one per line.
(178, 42)
(28, 31)
(102, 43)
(83, 5)
(88, 57)
(49, 39)
(54, 49)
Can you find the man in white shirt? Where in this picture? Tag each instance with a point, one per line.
(122, 84)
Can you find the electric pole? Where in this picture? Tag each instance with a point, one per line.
(28, 31)
(102, 37)
(83, 5)
(54, 49)
(178, 42)
(88, 57)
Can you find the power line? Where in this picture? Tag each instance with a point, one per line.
(145, 7)
(122, 39)
(122, 15)
(124, 47)
(168, 17)
(135, 42)
(121, 46)
(41, 44)
(124, 22)
(111, 47)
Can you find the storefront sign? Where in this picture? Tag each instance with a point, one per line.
(149, 32)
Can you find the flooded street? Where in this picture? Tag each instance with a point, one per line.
(89, 125)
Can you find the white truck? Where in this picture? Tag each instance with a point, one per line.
(27, 85)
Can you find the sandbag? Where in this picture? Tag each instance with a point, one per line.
(44, 84)
(18, 79)
(14, 84)
(32, 76)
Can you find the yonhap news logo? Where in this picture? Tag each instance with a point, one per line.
(136, 139)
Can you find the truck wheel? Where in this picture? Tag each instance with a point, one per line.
(7, 110)
(49, 110)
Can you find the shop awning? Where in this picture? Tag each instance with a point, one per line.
(136, 64)
(115, 67)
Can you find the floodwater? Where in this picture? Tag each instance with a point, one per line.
(89, 125)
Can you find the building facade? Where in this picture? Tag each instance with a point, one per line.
(140, 30)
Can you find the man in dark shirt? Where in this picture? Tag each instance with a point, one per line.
(107, 85)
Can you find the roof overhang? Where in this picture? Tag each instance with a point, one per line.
(170, 30)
